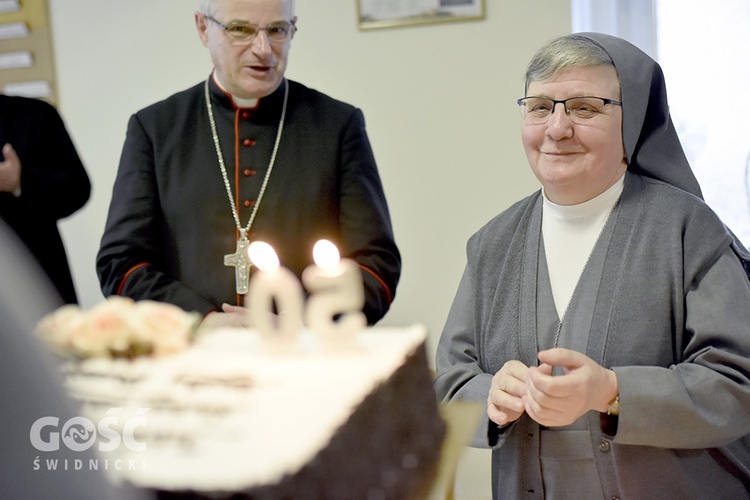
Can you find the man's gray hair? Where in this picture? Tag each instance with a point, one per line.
(206, 7)
(570, 51)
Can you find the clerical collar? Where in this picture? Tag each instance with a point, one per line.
(240, 102)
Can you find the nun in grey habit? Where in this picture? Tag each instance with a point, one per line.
(639, 387)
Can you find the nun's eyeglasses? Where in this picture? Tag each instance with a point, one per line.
(537, 110)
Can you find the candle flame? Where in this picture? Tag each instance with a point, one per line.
(325, 254)
(263, 256)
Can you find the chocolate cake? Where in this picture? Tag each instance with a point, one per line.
(237, 416)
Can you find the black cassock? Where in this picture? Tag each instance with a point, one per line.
(170, 221)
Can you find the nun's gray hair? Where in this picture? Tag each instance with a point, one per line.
(571, 51)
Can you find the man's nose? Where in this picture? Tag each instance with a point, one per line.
(261, 44)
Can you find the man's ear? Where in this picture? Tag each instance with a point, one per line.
(294, 27)
(201, 25)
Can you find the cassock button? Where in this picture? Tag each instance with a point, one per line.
(248, 143)
(245, 115)
(249, 173)
(249, 203)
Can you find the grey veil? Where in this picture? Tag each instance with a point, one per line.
(652, 147)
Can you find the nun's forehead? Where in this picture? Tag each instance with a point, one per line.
(604, 76)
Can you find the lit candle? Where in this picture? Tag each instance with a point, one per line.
(271, 284)
(335, 287)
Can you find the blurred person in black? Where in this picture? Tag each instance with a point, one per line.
(42, 180)
(31, 389)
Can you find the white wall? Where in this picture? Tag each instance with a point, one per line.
(439, 101)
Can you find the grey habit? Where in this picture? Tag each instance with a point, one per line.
(666, 305)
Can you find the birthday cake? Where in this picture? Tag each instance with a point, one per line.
(234, 413)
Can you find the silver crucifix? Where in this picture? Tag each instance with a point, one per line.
(241, 263)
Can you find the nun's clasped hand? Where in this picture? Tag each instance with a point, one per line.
(551, 400)
(505, 400)
(560, 400)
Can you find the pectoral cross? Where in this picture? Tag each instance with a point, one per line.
(241, 263)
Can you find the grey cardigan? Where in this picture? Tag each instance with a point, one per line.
(672, 318)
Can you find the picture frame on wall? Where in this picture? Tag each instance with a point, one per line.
(376, 14)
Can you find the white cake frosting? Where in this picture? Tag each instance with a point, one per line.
(234, 410)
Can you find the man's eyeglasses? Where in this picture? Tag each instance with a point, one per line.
(537, 110)
(244, 32)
